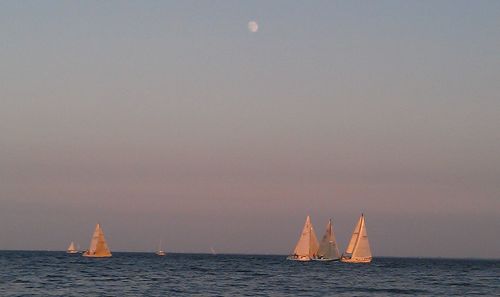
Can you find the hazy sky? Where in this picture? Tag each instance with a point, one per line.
(171, 120)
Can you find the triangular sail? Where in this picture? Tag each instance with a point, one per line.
(354, 237)
(358, 250)
(313, 243)
(328, 247)
(307, 246)
(98, 246)
(362, 248)
(71, 247)
(94, 240)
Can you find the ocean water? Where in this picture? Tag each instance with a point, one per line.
(144, 274)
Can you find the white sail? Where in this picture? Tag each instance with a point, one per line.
(358, 250)
(314, 245)
(362, 248)
(354, 237)
(328, 249)
(307, 246)
(98, 246)
(71, 248)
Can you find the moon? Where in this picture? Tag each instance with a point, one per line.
(253, 26)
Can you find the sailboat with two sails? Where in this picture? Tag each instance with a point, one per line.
(307, 246)
(358, 250)
(98, 246)
(328, 250)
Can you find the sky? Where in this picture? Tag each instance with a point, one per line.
(171, 120)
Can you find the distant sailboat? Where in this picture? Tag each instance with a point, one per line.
(307, 246)
(160, 252)
(213, 251)
(328, 250)
(98, 246)
(358, 250)
(72, 249)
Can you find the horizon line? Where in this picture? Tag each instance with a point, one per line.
(259, 254)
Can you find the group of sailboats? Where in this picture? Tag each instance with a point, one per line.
(308, 248)
(99, 248)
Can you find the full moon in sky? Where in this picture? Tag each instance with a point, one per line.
(253, 26)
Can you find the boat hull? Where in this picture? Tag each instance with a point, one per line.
(299, 258)
(325, 260)
(95, 256)
(71, 252)
(160, 253)
(356, 260)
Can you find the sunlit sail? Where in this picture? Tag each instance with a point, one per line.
(307, 246)
(358, 250)
(72, 249)
(328, 250)
(98, 246)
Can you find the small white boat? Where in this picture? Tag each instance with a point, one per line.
(98, 246)
(358, 250)
(307, 246)
(72, 249)
(328, 250)
(160, 251)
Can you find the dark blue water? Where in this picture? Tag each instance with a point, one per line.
(141, 274)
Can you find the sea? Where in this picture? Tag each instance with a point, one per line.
(31, 273)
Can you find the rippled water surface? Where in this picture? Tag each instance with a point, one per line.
(142, 274)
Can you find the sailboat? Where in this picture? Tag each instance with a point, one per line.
(98, 246)
(72, 249)
(307, 246)
(358, 250)
(328, 250)
(160, 252)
